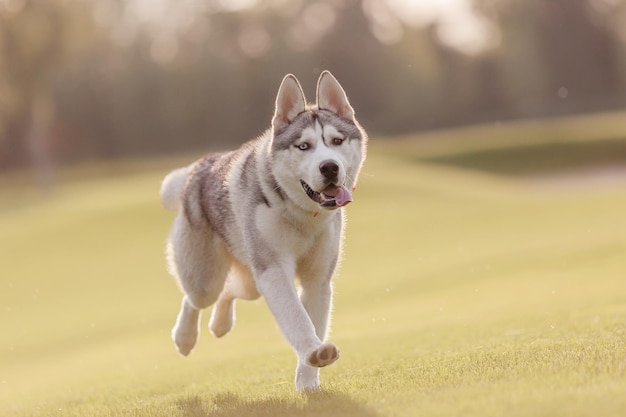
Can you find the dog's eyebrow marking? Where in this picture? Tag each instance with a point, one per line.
(344, 126)
(286, 137)
(331, 130)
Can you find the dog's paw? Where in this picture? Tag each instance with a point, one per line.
(322, 356)
(222, 320)
(220, 327)
(184, 339)
(307, 379)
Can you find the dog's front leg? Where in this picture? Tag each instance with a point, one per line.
(276, 285)
(316, 297)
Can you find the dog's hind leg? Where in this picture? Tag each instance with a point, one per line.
(223, 314)
(200, 263)
(239, 284)
(185, 331)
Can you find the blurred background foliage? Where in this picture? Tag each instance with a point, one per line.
(91, 79)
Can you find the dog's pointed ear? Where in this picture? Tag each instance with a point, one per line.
(330, 96)
(290, 102)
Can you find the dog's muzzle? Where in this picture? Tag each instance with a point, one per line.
(330, 197)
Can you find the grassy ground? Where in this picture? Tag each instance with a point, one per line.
(464, 291)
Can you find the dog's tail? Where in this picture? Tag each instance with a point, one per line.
(172, 188)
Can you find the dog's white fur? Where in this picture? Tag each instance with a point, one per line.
(246, 227)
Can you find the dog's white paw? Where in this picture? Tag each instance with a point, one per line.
(222, 319)
(323, 355)
(220, 327)
(184, 338)
(307, 378)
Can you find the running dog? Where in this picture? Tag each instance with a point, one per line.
(253, 220)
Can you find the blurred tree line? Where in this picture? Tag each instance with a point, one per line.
(108, 78)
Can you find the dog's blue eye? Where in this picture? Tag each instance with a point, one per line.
(338, 141)
(303, 146)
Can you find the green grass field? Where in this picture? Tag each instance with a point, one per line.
(466, 290)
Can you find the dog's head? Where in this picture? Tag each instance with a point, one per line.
(318, 150)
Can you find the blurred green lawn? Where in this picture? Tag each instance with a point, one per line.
(465, 290)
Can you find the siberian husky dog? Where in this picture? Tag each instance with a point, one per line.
(259, 219)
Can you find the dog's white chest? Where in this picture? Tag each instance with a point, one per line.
(284, 235)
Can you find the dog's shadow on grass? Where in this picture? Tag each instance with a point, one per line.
(322, 403)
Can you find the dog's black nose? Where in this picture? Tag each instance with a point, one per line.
(329, 169)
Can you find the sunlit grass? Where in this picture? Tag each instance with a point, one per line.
(542, 158)
(461, 293)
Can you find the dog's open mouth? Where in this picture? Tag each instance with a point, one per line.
(329, 197)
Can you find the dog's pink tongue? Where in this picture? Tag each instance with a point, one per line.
(343, 196)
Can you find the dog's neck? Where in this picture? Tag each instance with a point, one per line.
(306, 221)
